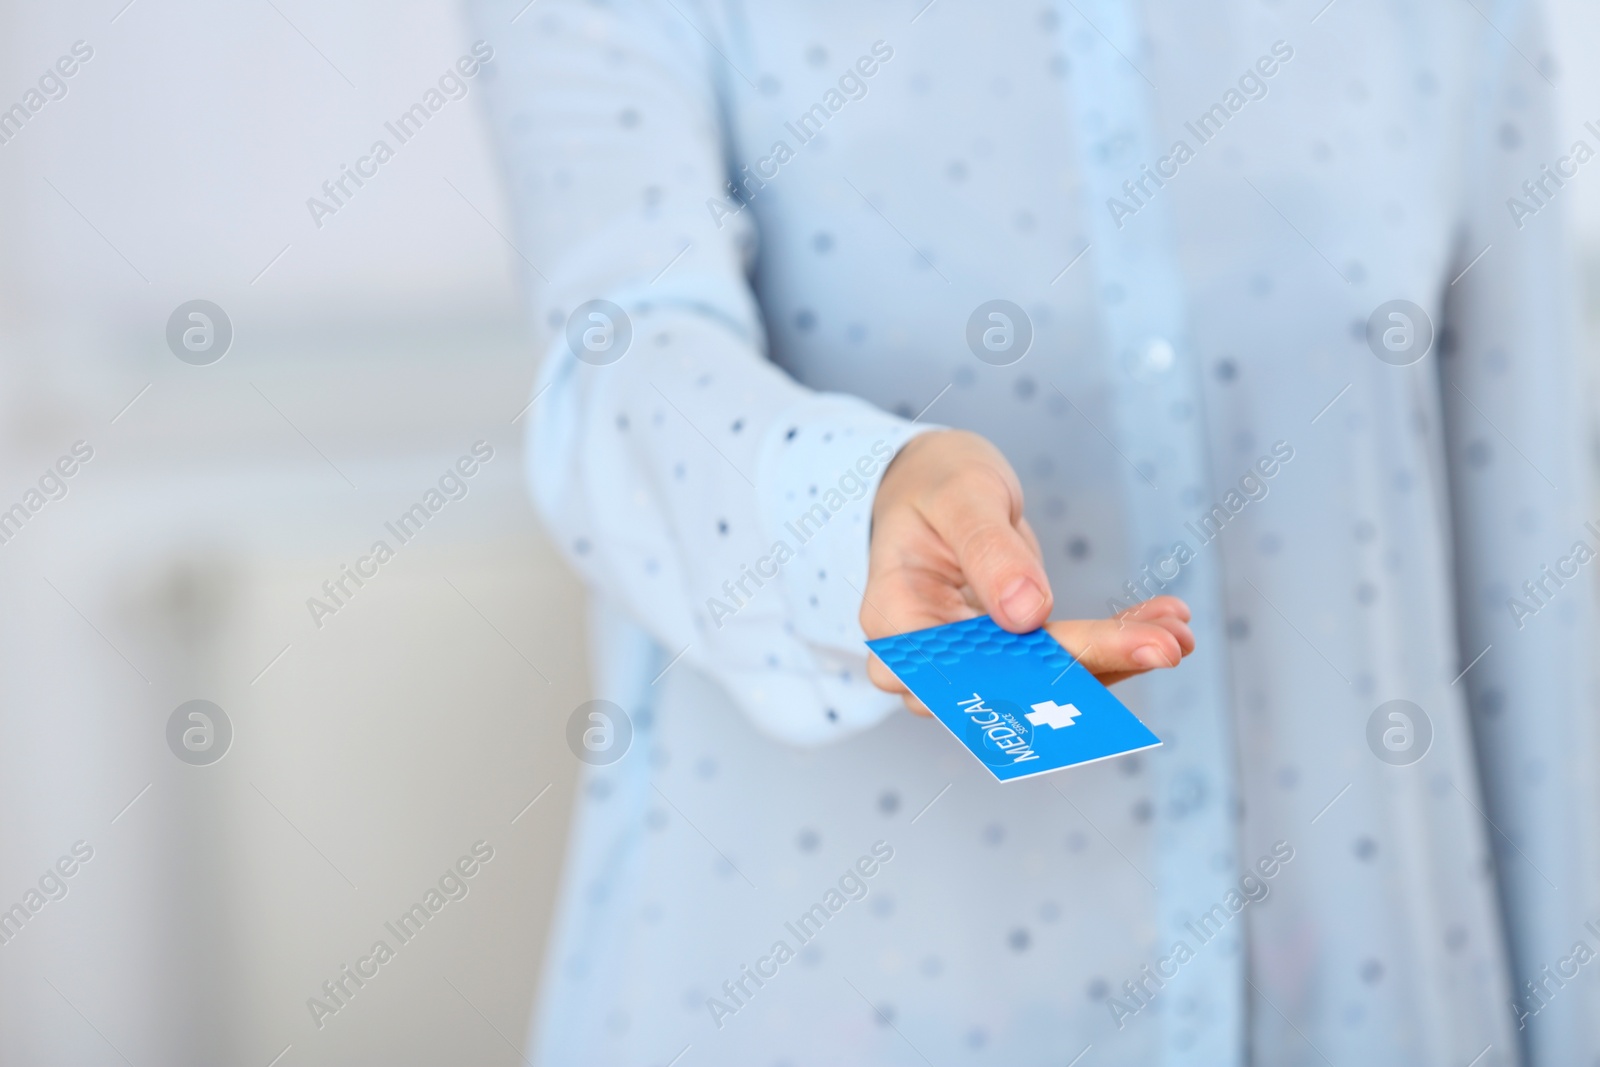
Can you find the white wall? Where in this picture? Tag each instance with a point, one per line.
(379, 747)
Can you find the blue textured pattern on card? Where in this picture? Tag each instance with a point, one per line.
(1019, 702)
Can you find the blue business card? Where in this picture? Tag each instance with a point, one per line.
(1019, 702)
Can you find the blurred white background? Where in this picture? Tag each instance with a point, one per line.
(368, 355)
(379, 747)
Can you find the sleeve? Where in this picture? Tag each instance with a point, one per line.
(691, 483)
(1519, 447)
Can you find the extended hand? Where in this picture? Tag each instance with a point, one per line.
(949, 542)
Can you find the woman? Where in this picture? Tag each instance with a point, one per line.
(1233, 298)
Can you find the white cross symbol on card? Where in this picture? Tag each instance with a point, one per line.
(1053, 715)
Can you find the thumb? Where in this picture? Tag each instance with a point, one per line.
(1000, 564)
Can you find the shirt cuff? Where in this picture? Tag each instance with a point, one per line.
(819, 470)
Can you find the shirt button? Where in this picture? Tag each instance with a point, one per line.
(1153, 360)
(1158, 355)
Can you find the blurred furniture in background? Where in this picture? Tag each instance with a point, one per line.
(368, 754)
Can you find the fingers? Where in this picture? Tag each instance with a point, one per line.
(884, 679)
(1104, 647)
(1120, 647)
(978, 516)
(1156, 607)
(1146, 637)
(882, 676)
(1167, 612)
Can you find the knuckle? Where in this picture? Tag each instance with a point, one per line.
(988, 548)
(982, 481)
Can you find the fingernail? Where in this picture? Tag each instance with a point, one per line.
(1151, 657)
(1021, 600)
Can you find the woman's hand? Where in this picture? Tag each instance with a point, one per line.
(949, 542)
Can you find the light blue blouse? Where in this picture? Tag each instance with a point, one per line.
(1267, 306)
